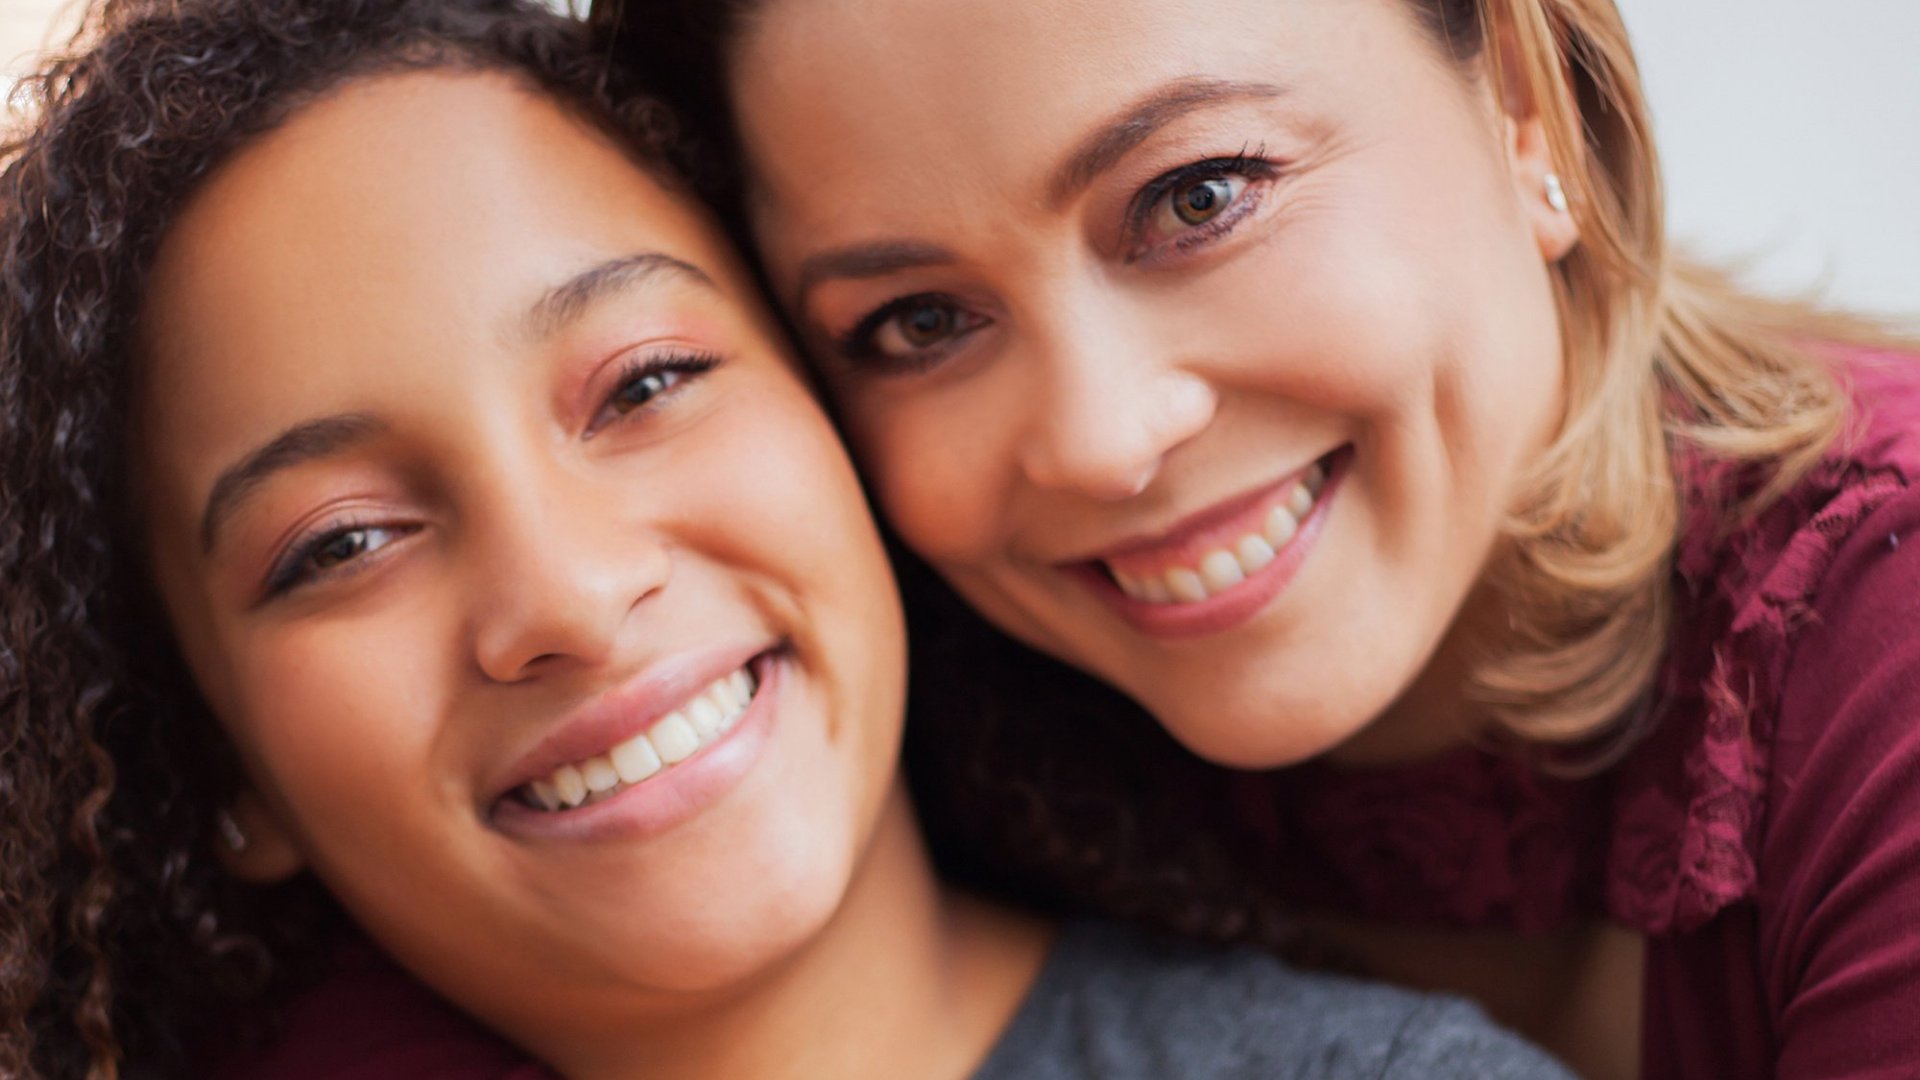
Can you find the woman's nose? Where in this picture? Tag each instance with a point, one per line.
(556, 574)
(1109, 406)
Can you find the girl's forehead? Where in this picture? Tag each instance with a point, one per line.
(376, 238)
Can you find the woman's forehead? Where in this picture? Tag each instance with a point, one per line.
(995, 85)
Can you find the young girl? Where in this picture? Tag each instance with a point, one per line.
(405, 492)
(1315, 374)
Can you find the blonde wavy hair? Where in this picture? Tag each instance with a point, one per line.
(1663, 357)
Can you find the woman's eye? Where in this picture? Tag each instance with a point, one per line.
(1192, 205)
(921, 326)
(910, 331)
(1200, 201)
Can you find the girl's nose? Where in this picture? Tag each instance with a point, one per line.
(556, 574)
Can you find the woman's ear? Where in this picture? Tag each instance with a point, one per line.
(1543, 193)
(252, 842)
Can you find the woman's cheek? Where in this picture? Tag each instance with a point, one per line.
(925, 479)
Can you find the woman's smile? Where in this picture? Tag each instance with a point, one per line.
(1182, 248)
(1217, 569)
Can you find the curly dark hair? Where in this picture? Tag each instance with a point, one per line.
(122, 942)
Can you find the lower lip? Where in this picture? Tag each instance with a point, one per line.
(1238, 605)
(671, 797)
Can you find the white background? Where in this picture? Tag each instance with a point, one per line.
(1790, 131)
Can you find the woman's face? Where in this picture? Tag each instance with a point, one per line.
(505, 541)
(1198, 345)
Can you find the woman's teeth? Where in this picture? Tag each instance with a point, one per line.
(1224, 567)
(678, 736)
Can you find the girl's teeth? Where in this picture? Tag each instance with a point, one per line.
(545, 795)
(1300, 501)
(599, 775)
(674, 738)
(571, 786)
(1254, 553)
(1223, 568)
(711, 714)
(705, 716)
(1280, 527)
(1186, 586)
(635, 760)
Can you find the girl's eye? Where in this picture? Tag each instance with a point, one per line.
(342, 547)
(911, 332)
(644, 381)
(1191, 206)
(636, 392)
(327, 552)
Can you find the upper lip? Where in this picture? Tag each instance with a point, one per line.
(1192, 523)
(623, 711)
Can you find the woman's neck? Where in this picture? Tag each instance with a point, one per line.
(1435, 713)
(908, 978)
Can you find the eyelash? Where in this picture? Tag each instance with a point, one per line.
(680, 366)
(858, 345)
(294, 569)
(1249, 164)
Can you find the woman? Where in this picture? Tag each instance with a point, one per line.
(1315, 374)
(390, 451)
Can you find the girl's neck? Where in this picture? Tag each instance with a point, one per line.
(907, 979)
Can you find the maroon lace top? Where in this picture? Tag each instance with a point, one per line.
(1765, 834)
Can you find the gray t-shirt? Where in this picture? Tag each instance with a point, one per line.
(1115, 1003)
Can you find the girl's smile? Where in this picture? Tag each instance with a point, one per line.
(517, 560)
(646, 755)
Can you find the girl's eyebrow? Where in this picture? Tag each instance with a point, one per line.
(331, 435)
(566, 301)
(328, 435)
(1103, 147)
(301, 443)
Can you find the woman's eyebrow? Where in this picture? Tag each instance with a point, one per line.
(297, 445)
(869, 260)
(1103, 147)
(1098, 151)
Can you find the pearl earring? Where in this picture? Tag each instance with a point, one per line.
(230, 832)
(1556, 194)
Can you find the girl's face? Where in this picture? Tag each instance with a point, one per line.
(477, 482)
(1198, 345)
